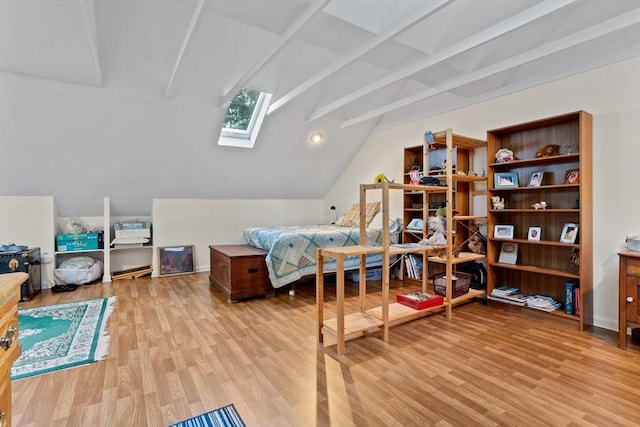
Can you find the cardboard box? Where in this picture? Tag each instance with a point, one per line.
(419, 300)
(79, 242)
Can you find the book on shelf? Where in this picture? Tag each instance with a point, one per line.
(504, 290)
(518, 299)
(508, 294)
(414, 266)
(542, 302)
(570, 297)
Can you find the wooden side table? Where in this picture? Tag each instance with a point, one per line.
(629, 291)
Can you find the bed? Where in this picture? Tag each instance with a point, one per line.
(291, 250)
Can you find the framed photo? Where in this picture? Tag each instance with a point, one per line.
(569, 233)
(534, 233)
(503, 231)
(572, 176)
(536, 179)
(508, 253)
(176, 260)
(505, 180)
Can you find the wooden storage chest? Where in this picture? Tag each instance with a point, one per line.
(239, 271)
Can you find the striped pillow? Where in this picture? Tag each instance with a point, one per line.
(352, 218)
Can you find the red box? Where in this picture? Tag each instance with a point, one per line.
(419, 300)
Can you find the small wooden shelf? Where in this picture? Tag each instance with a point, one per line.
(462, 257)
(355, 325)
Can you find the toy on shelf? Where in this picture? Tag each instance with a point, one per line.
(498, 203)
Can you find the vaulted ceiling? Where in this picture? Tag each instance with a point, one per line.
(149, 77)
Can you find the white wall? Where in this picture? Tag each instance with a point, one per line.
(204, 222)
(611, 94)
(30, 221)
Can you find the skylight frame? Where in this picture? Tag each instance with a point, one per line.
(246, 138)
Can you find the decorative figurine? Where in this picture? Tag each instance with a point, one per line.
(498, 203)
(540, 205)
(547, 150)
(504, 155)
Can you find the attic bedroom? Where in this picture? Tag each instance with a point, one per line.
(122, 114)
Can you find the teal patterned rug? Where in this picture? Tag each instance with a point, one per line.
(61, 336)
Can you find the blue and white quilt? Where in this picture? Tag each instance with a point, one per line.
(291, 250)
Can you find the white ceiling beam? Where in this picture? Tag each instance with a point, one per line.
(389, 32)
(538, 79)
(582, 36)
(185, 43)
(89, 13)
(495, 31)
(286, 37)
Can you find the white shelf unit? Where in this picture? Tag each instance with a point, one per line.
(113, 258)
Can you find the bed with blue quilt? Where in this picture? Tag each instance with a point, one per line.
(291, 250)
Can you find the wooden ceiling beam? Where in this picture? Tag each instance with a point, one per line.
(582, 36)
(495, 31)
(286, 37)
(185, 42)
(386, 34)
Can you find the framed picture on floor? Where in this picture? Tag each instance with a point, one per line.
(176, 260)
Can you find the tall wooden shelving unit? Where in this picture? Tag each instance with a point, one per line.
(458, 153)
(542, 265)
(370, 319)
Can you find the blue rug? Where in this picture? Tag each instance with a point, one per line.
(61, 336)
(226, 416)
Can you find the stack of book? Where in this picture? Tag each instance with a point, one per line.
(509, 295)
(414, 266)
(544, 303)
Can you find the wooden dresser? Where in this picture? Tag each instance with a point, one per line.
(629, 292)
(239, 271)
(9, 345)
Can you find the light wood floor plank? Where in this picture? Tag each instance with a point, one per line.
(178, 350)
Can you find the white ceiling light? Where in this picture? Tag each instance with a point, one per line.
(316, 137)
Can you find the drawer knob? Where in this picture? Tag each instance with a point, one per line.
(7, 340)
(629, 299)
(1, 418)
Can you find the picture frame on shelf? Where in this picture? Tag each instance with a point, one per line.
(503, 231)
(569, 233)
(508, 253)
(534, 233)
(175, 260)
(536, 179)
(505, 180)
(572, 176)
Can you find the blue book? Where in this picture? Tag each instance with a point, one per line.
(569, 297)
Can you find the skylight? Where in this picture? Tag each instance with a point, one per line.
(244, 118)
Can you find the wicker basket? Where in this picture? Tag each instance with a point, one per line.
(633, 242)
(461, 282)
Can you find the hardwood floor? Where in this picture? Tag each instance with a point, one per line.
(178, 350)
